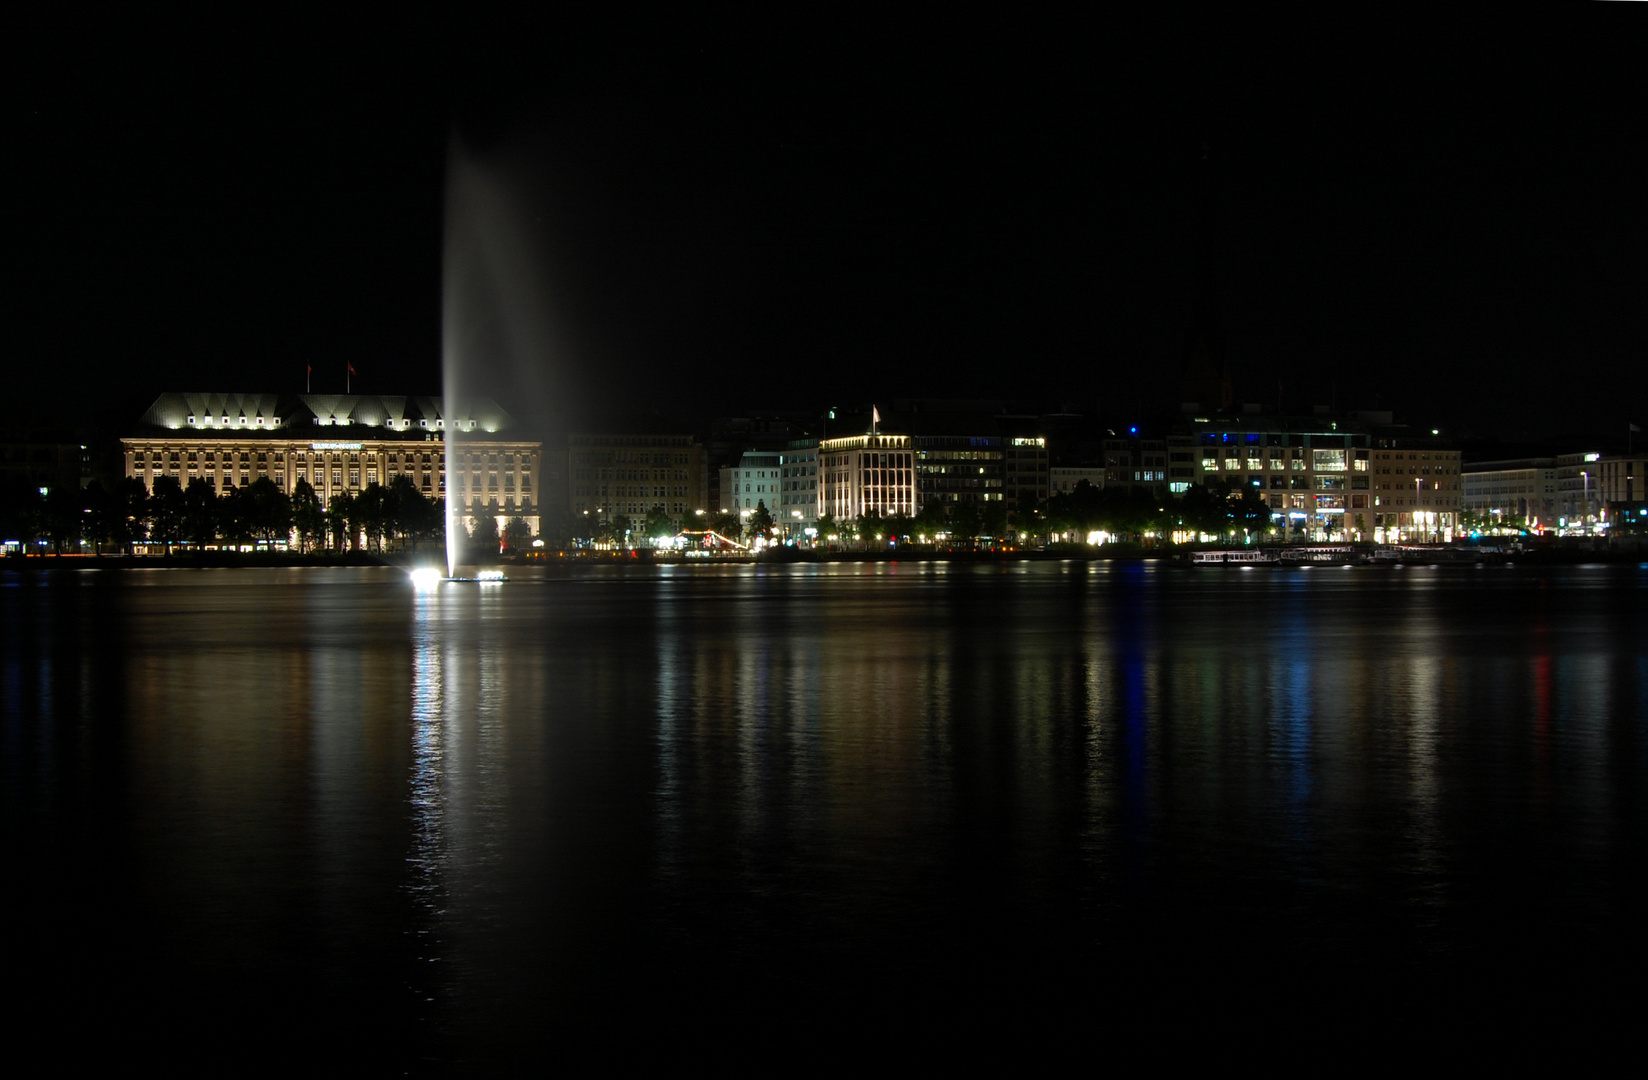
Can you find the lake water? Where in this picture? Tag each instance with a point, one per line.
(283, 813)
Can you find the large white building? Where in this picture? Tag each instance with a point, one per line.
(341, 444)
(858, 474)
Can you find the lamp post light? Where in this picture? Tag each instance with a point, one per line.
(1585, 503)
(1418, 486)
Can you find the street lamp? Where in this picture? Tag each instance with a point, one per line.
(1585, 505)
(1418, 486)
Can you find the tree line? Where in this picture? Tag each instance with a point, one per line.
(381, 517)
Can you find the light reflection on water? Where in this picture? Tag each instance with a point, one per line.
(488, 817)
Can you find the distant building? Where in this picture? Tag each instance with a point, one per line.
(1359, 478)
(1310, 470)
(341, 444)
(1132, 462)
(799, 498)
(1622, 478)
(752, 484)
(1062, 480)
(954, 469)
(630, 473)
(1417, 493)
(1579, 491)
(1520, 491)
(1025, 461)
(36, 458)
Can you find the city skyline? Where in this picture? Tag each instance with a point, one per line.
(1433, 217)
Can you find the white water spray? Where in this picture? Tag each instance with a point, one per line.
(494, 310)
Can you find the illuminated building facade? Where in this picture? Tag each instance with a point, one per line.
(1136, 463)
(1579, 491)
(753, 482)
(867, 473)
(629, 474)
(1520, 491)
(1028, 482)
(959, 468)
(341, 444)
(1310, 472)
(1622, 478)
(1418, 494)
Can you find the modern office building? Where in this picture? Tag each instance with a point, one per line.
(798, 499)
(341, 444)
(1307, 469)
(867, 473)
(1519, 491)
(1133, 462)
(1360, 478)
(954, 469)
(1025, 462)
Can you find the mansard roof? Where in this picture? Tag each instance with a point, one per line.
(369, 414)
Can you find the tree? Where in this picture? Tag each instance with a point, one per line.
(20, 510)
(64, 515)
(1251, 513)
(993, 519)
(200, 512)
(267, 511)
(407, 513)
(339, 514)
(965, 522)
(658, 523)
(555, 528)
(517, 534)
(729, 525)
(828, 528)
(166, 512)
(308, 516)
(1202, 510)
(931, 519)
(761, 521)
(128, 513)
(370, 515)
(484, 537)
(867, 525)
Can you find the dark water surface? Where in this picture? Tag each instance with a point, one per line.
(290, 812)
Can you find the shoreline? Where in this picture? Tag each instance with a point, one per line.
(1577, 552)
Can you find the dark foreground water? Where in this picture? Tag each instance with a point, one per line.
(313, 814)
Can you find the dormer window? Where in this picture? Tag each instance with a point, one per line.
(191, 419)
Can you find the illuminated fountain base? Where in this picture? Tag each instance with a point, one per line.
(427, 577)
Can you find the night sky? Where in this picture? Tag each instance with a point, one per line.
(724, 214)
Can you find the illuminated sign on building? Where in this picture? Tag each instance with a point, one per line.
(335, 446)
